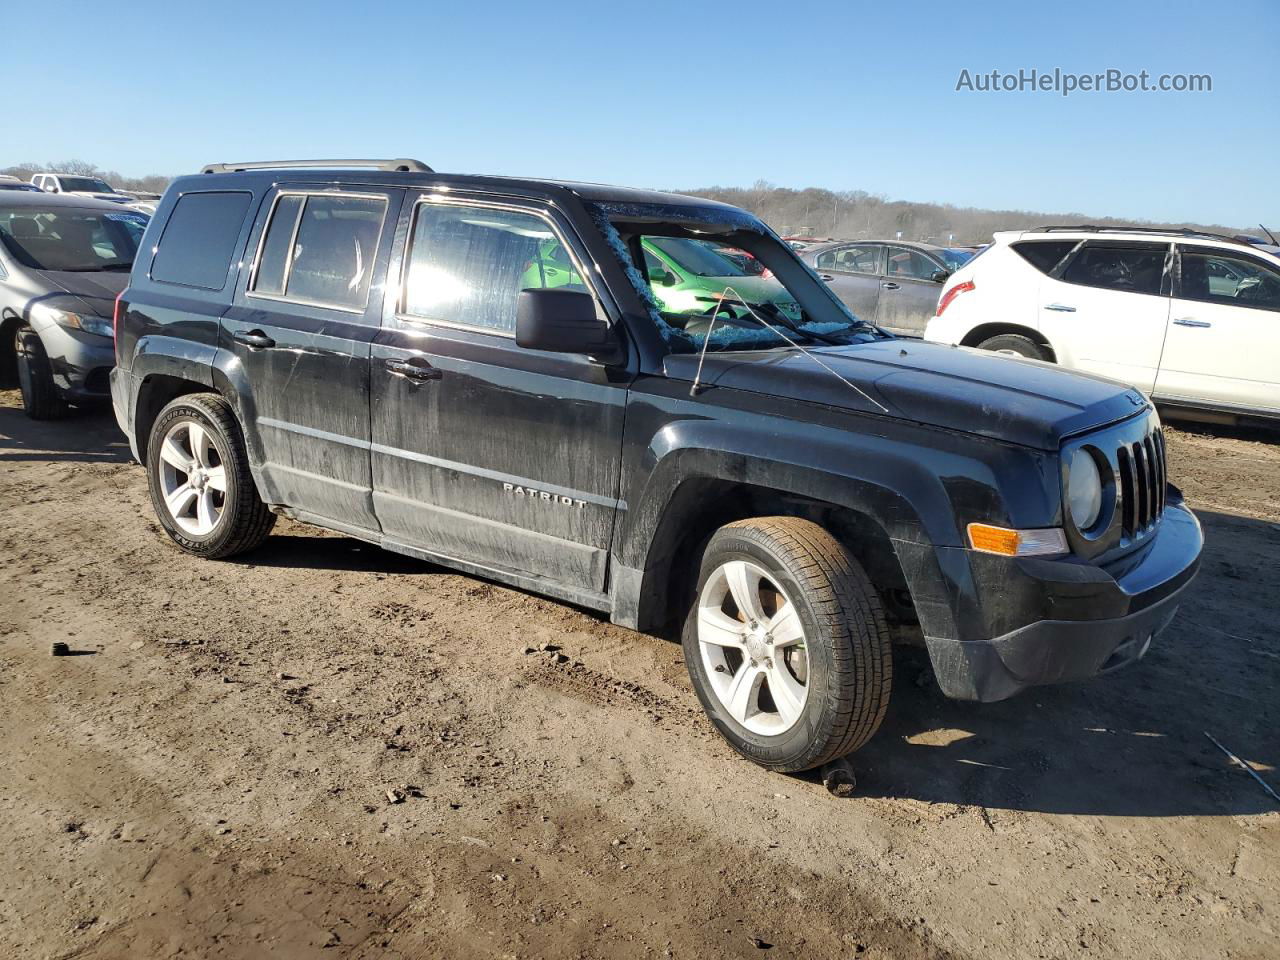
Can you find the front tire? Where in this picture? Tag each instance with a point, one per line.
(1015, 344)
(201, 487)
(787, 645)
(41, 399)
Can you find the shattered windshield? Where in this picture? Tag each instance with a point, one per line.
(691, 276)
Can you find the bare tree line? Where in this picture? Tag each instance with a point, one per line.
(856, 214)
(813, 211)
(155, 183)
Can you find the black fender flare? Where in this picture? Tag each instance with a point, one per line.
(895, 483)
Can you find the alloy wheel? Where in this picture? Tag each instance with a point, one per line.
(753, 648)
(193, 480)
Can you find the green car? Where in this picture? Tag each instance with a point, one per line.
(688, 277)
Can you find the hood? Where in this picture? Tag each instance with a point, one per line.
(98, 289)
(1020, 401)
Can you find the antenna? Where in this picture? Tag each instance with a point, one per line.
(693, 390)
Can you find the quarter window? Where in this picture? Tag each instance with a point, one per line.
(1044, 255)
(467, 265)
(198, 242)
(320, 249)
(1220, 276)
(1127, 267)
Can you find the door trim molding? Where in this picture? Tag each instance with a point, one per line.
(499, 476)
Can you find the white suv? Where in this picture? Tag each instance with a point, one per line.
(1191, 319)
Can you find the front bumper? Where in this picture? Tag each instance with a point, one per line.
(81, 362)
(1130, 606)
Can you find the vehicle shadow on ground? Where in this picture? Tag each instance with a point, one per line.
(85, 436)
(1130, 744)
(324, 551)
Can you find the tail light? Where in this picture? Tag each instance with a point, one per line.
(951, 294)
(115, 317)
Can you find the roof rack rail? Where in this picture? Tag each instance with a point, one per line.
(1095, 228)
(399, 165)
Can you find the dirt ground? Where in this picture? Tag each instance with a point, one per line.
(210, 777)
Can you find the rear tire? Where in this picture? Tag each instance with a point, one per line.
(810, 681)
(201, 487)
(41, 399)
(1017, 345)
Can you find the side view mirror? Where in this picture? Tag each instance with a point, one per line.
(940, 276)
(562, 321)
(663, 276)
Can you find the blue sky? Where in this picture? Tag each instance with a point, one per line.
(841, 95)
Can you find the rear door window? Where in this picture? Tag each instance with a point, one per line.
(1044, 255)
(1128, 267)
(198, 242)
(910, 265)
(320, 249)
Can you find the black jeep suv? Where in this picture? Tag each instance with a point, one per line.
(491, 374)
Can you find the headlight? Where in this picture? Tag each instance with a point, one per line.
(88, 322)
(1084, 490)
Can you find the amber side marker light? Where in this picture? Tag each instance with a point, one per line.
(1050, 542)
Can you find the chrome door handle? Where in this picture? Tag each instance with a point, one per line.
(1060, 308)
(888, 285)
(825, 277)
(415, 369)
(1191, 322)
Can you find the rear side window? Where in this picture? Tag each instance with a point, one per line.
(199, 240)
(467, 265)
(1044, 255)
(320, 249)
(1126, 267)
